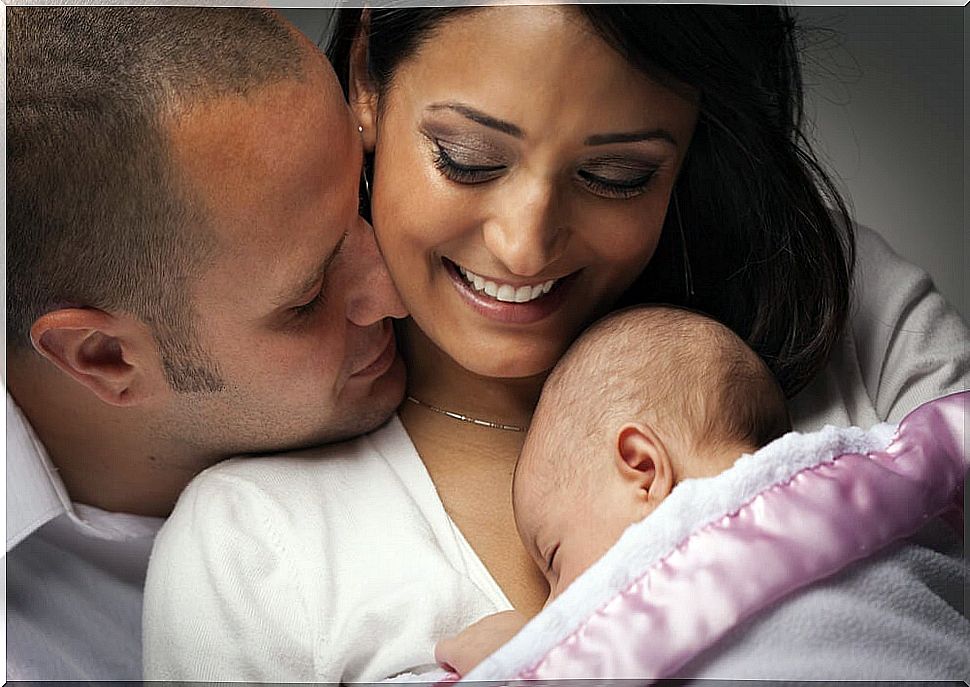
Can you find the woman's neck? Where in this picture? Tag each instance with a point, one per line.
(435, 379)
(472, 466)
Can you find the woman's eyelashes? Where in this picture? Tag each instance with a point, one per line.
(617, 177)
(617, 188)
(465, 165)
(621, 179)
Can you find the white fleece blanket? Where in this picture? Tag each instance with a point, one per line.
(895, 615)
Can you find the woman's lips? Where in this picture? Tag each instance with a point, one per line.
(509, 312)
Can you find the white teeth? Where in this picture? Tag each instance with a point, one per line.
(523, 294)
(506, 292)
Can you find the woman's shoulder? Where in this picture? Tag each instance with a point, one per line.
(904, 344)
(883, 280)
(896, 303)
(318, 480)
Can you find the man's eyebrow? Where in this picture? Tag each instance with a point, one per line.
(631, 137)
(318, 274)
(480, 117)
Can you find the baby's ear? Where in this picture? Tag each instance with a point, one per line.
(643, 461)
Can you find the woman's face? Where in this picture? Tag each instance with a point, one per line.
(522, 174)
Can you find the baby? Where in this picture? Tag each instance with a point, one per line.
(645, 399)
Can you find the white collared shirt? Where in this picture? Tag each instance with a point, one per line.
(74, 573)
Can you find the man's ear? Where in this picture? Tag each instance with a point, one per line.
(642, 459)
(362, 92)
(114, 356)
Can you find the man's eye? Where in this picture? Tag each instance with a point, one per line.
(462, 172)
(310, 306)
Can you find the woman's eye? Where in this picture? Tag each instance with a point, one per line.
(627, 187)
(459, 168)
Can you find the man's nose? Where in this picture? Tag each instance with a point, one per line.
(525, 234)
(371, 295)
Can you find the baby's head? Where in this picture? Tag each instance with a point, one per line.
(645, 398)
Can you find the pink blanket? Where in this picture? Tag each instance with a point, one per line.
(721, 550)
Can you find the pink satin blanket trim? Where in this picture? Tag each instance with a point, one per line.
(788, 536)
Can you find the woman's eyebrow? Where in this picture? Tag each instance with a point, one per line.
(501, 125)
(631, 137)
(480, 117)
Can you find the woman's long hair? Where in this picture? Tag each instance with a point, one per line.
(756, 233)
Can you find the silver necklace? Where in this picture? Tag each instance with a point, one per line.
(465, 418)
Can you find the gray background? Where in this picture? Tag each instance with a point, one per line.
(885, 96)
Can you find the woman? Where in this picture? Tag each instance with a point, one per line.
(455, 194)
(532, 168)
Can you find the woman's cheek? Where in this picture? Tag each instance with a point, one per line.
(630, 239)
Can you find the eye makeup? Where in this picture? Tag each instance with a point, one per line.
(466, 158)
(617, 176)
(470, 158)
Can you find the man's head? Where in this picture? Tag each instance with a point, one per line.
(182, 225)
(645, 398)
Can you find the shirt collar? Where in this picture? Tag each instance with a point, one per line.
(36, 494)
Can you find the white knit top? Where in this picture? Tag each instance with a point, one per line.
(340, 564)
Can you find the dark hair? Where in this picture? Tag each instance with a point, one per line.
(96, 213)
(749, 237)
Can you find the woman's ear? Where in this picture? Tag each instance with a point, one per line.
(362, 92)
(644, 461)
(114, 356)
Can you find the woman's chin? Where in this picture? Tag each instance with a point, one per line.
(508, 367)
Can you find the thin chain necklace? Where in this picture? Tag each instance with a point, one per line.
(465, 418)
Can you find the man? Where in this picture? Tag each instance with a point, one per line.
(188, 279)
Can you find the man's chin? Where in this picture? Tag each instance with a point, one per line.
(342, 429)
(371, 410)
(361, 423)
(356, 413)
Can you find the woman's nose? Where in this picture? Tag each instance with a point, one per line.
(526, 233)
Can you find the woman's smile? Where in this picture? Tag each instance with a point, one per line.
(508, 301)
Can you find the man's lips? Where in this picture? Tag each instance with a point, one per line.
(384, 359)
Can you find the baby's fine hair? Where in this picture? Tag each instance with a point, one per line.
(689, 376)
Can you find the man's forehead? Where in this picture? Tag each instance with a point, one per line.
(232, 129)
(276, 174)
(276, 152)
